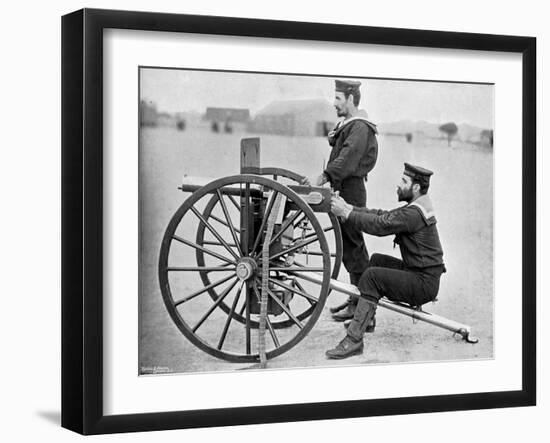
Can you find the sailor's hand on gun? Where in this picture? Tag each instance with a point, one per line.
(339, 207)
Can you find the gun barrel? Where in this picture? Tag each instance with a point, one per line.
(317, 198)
(192, 184)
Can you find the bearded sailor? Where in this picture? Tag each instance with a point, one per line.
(414, 279)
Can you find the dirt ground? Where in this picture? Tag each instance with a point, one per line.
(462, 194)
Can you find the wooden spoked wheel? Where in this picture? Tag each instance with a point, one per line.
(234, 267)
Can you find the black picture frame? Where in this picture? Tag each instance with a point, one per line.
(82, 220)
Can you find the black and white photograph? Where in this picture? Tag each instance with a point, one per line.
(275, 221)
(292, 221)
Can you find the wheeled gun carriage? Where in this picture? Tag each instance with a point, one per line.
(256, 255)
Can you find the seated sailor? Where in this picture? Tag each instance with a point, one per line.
(414, 279)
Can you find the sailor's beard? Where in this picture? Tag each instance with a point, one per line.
(404, 195)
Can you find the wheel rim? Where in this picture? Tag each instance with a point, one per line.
(193, 308)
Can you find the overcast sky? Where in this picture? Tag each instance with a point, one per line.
(175, 90)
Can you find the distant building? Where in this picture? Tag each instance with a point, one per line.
(227, 119)
(295, 117)
(322, 128)
(148, 115)
(227, 114)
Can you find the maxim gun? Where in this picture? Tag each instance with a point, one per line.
(256, 252)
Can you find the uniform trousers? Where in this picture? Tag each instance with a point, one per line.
(355, 256)
(388, 277)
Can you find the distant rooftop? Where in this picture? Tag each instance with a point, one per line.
(227, 114)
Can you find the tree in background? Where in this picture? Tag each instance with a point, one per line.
(450, 130)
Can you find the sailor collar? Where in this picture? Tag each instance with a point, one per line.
(343, 123)
(424, 203)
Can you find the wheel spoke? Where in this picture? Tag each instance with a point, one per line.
(229, 222)
(314, 234)
(225, 265)
(272, 332)
(241, 311)
(214, 243)
(299, 245)
(206, 251)
(304, 294)
(230, 197)
(223, 222)
(285, 308)
(264, 220)
(284, 226)
(215, 304)
(201, 269)
(203, 290)
(214, 232)
(301, 288)
(229, 317)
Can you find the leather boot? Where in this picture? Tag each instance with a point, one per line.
(346, 348)
(370, 327)
(352, 344)
(338, 308)
(364, 315)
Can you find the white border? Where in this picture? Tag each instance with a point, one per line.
(125, 392)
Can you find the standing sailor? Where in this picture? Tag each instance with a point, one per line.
(353, 156)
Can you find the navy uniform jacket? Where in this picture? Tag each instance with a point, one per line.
(354, 152)
(414, 226)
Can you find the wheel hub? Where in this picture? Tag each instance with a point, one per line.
(246, 268)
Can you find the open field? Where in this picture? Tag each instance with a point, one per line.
(462, 191)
